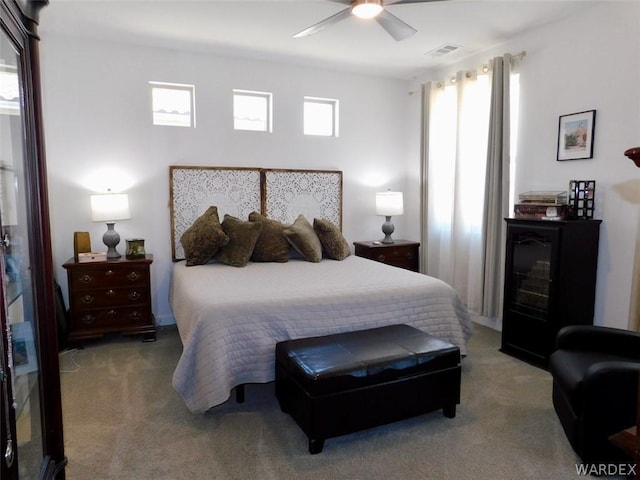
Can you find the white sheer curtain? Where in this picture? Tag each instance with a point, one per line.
(455, 196)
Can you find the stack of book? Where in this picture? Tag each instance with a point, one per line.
(542, 206)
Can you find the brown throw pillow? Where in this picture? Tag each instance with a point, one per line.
(304, 239)
(272, 246)
(331, 238)
(242, 240)
(202, 240)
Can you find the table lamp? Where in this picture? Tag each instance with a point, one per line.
(389, 204)
(109, 207)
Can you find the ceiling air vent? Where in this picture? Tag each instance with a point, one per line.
(443, 50)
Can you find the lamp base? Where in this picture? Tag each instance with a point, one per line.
(387, 229)
(111, 239)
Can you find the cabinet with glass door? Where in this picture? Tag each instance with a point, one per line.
(550, 281)
(31, 443)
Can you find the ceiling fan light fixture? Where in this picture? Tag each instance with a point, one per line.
(366, 8)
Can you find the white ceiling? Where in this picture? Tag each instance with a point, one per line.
(264, 29)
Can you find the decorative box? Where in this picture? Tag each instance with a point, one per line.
(135, 248)
(582, 198)
(541, 212)
(92, 257)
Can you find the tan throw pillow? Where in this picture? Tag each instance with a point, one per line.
(242, 240)
(272, 246)
(202, 240)
(304, 239)
(331, 238)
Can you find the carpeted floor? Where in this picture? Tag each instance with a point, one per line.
(123, 420)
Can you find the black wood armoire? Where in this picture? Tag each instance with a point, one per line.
(550, 282)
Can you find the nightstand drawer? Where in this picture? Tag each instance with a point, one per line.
(109, 276)
(401, 253)
(103, 297)
(407, 263)
(111, 319)
(395, 255)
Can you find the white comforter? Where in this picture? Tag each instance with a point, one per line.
(231, 318)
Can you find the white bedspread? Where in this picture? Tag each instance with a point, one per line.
(231, 318)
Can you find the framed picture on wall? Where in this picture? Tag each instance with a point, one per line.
(575, 135)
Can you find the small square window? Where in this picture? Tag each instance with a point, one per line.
(173, 104)
(9, 90)
(252, 110)
(320, 116)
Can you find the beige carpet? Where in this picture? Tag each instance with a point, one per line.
(123, 420)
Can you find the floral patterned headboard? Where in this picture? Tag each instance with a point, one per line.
(280, 194)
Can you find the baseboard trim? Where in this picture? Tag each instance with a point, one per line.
(493, 323)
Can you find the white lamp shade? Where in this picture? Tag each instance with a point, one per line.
(109, 207)
(366, 8)
(389, 204)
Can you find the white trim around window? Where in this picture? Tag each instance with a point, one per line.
(252, 111)
(321, 116)
(173, 104)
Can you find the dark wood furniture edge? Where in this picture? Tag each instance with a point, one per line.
(25, 15)
(634, 154)
(628, 440)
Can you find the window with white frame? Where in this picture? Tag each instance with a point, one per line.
(173, 104)
(320, 116)
(9, 90)
(252, 110)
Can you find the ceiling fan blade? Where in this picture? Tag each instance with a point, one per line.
(394, 26)
(341, 15)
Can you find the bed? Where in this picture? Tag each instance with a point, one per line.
(230, 318)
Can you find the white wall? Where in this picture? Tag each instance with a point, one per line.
(97, 115)
(97, 121)
(590, 61)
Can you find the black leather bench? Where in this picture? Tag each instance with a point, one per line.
(342, 383)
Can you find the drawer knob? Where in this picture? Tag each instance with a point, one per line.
(89, 319)
(134, 296)
(87, 299)
(135, 315)
(112, 313)
(108, 273)
(133, 276)
(381, 258)
(110, 293)
(86, 279)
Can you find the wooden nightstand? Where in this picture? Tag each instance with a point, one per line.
(110, 297)
(402, 253)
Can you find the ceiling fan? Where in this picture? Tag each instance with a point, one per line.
(368, 9)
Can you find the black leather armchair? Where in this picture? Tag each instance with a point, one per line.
(595, 374)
